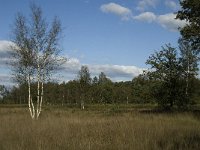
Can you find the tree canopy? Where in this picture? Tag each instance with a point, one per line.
(190, 11)
(35, 53)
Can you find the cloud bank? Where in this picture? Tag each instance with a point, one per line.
(69, 70)
(5, 49)
(114, 72)
(146, 17)
(169, 22)
(5, 77)
(166, 21)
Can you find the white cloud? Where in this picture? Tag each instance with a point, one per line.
(171, 4)
(6, 79)
(72, 66)
(166, 21)
(146, 16)
(145, 4)
(69, 70)
(4, 62)
(5, 48)
(117, 9)
(169, 22)
(114, 72)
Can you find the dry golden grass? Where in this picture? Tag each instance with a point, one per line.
(72, 129)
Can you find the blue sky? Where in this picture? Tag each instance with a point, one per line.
(113, 36)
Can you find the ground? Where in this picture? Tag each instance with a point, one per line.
(98, 128)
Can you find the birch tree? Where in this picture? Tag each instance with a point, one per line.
(85, 82)
(189, 60)
(35, 53)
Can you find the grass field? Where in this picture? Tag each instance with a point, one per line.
(98, 128)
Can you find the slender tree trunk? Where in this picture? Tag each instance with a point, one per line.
(29, 97)
(63, 98)
(127, 100)
(41, 99)
(187, 77)
(33, 108)
(187, 84)
(82, 105)
(38, 90)
(30, 102)
(82, 102)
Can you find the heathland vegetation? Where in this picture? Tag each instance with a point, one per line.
(99, 127)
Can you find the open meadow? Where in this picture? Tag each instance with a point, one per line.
(98, 128)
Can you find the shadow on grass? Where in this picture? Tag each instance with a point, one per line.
(189, 141)
(158, 110)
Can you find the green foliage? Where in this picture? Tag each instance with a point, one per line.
(3, 92)
(166, 73)
(84, 76)
(142, 89)
(106, 93)
(190, 12)
(188, 57)
(103, 79)
(189, 61)
(36, 50)
(84, 80)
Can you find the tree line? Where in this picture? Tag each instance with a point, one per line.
(101, 90)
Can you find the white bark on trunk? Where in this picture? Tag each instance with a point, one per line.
(41, 99)
(38, 90)
(33, 109)
(29, 97)
(82, 105)
(30, 102)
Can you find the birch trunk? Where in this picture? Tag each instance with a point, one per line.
(187, 77)
(38, 90)
(82, 105)
(127, 100)
(33, 109)
(41, 99)
(30, 102)
(29, 97)
(187, 84)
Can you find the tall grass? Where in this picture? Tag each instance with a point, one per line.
(74, 129)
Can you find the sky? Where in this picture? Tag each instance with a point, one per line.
(111, 36)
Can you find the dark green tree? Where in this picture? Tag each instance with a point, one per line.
(166, 74)
(85, 83)
(141, 89)
(190, 12)
(95, 80)
(103, 78)
(105, 88)
(3, 92)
